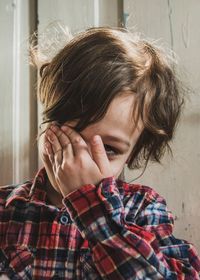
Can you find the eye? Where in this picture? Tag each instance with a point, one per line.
(111, 151)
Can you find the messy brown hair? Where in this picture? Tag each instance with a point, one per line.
(98, 64)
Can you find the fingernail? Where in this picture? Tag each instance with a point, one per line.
(48, 131)
(96, 139)
(54, 128)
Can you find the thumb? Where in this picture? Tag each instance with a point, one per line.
(99, 156)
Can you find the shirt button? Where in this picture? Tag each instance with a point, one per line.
(34, 250)
(64, 219)
(107, 193)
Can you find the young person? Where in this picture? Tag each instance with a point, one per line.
(110, 98)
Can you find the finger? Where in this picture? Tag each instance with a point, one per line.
(56, 147)
(44, 148)
(64, 142)
(50, 157)
(63, 138)
(100, 156)
(42, 145)
(78, 143)
(50, 153)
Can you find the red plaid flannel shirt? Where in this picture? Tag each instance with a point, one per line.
(111, 231)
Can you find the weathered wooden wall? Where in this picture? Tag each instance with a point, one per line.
(18, 106)
(176, 23)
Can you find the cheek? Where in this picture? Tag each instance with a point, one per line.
(117, 166)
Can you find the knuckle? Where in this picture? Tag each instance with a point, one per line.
(65, 144)
(77, 140)
(66, 165)
(98, 150)
(81, 160)
(51, 139)
(57, 152)
(59, 133)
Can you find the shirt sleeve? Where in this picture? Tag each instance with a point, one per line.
(128, 250)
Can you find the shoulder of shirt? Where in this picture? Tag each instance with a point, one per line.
(150, 194)
(5, 191)
(10, 190)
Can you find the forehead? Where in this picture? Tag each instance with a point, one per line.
(118, 120)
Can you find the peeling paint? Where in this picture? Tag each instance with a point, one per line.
(10, 7)
(176, 23)
(170, 23)
(183, 207)
(185, 32)
(125, 19)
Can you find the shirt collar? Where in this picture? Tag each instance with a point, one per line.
(32, 190)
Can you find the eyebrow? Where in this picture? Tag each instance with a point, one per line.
(116, 139)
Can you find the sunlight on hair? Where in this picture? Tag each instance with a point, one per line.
(44, 46)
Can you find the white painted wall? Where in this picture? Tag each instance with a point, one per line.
(18, 154)
(176, 23)
(6, 58)
(79, 15)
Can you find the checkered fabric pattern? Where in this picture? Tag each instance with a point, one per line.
(111, 231)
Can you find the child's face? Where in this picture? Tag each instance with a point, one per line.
(117, 123)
